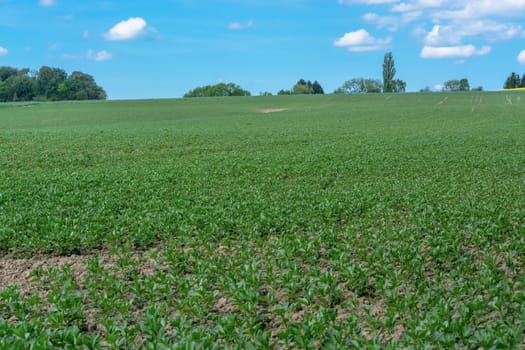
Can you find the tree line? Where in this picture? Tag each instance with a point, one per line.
(370, 85)
(514, 81)
(218, 90)
(47, 84)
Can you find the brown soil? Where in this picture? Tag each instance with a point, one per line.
(18, 272)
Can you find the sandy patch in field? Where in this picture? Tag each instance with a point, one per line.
(18, 272)
(271, 110)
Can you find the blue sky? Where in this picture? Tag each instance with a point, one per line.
(163, 48)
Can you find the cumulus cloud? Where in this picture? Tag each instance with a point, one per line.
(521, 57)
(239, 25)
(361, 41)
(445, 27)
(3, 51)
(47, 3)
(485, 29)
(130, 29)
(459, 51)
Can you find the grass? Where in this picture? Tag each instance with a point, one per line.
(372, 221)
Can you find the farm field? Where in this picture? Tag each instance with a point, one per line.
(306, 222)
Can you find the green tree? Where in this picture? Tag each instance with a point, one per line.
(48, 80)
(389, 71)
(317, 88)
(6, 72)
(464, 85)
(20, 88)
(3, 91)
(399, 85)
(218, 90)
(299, 89)
(456, 85)
(360, 86)
(81, 86)
(522, 82)
(513, 81)
(302, 87)
(47, 84)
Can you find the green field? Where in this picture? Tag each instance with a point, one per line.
(340, 222)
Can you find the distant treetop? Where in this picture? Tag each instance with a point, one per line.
(218, 90)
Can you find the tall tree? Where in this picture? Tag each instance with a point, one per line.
(48, 80)
(513, 81)
(317, 88)
(464, 85)
(81, 86)
(6, 72)
(302, 87)
(20, 88)
(389, 72)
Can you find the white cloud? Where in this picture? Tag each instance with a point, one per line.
(3, 51)
(459, 51)
(369, 2)
(472, 9)
(239, 25)
(454, 33)
(99, 56)
(445, 27)
(89, 55)
(47, 3)
(85, 34)
(361, 40)
(416, 5)
(521, 57)
(391, 22)
(131, 29)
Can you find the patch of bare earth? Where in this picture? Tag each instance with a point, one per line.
(18, 272)
(271, 110)
(443, 101)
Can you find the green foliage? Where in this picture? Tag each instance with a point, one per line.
(344, 222)
(456, 85)
(399, 85)
(303, 87)
(49, 84)
(389, 72)
(218, 90)
(514, 81)
(360, 86)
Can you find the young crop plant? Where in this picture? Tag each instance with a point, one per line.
(323, 223)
